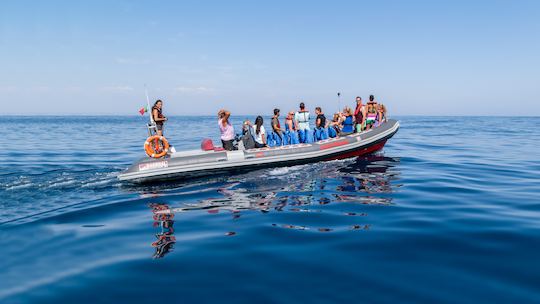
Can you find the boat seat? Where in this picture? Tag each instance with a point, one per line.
(208, 145)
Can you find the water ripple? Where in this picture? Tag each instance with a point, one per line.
(448, 212)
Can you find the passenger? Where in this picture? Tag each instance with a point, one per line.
(320, 121)
(290, 135)
(290, 123)
(226, 129)
(320, 132)
(158, 116)
(302, 118)
(382, 113)
(359, 115)
(276, 127)
(259, 134)
(371, 112)
(336, 123)
(348, 122)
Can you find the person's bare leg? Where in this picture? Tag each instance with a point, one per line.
(159, 144)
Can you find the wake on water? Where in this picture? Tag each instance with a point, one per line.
(103, 186)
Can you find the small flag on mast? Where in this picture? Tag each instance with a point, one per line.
(143, 110)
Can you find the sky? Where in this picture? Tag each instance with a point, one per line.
(417, 57)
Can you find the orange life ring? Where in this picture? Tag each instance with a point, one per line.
(154, 149)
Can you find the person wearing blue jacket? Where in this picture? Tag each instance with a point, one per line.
(348, 122)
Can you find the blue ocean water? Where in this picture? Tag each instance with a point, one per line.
(448, 212)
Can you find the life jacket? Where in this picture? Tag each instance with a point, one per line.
(287, 125)
(358, 115)
(304, 118)
(160, 115)
(322, 118)
(348, 124)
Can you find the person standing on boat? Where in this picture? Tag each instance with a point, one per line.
(226, 129)
(359, 115)
(371, 112)
(158, 116)
(276, 127)
(302, 118)
(302, 121)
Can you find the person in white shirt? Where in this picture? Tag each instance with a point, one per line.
(302, 118)
(259, 134)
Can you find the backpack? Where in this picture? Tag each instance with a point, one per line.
(247, 139)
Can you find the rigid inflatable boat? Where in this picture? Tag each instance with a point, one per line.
(198, 163)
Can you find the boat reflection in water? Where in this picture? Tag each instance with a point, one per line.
(371, 175)
(351, 184)
(165, 238)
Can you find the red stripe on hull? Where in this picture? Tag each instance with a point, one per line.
(334, 144)
(360, 152)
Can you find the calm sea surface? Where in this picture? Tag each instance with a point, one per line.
(449, 212)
